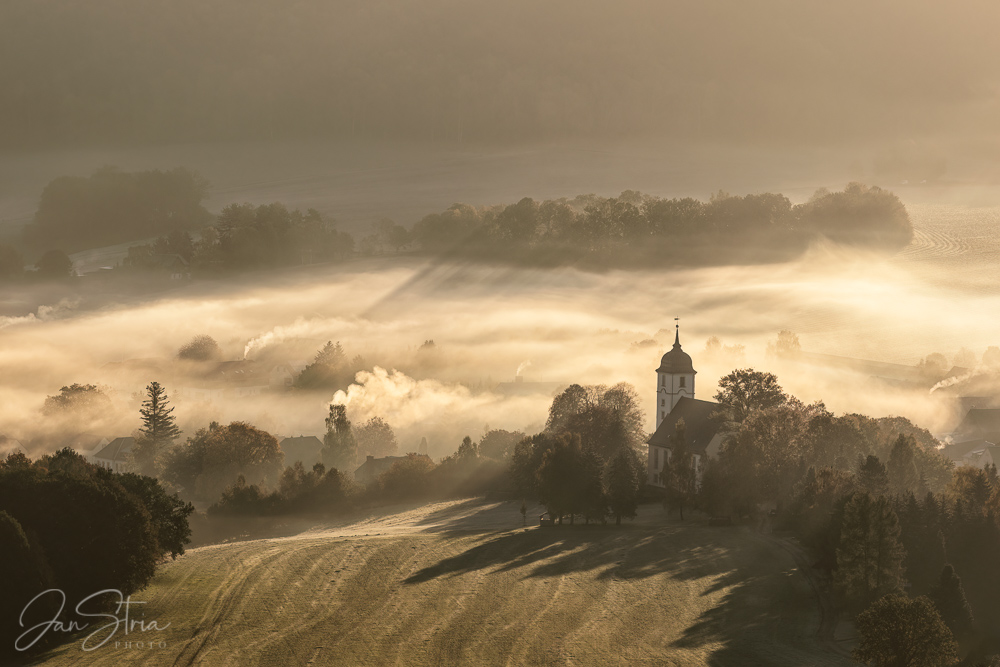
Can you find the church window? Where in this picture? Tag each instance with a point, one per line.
(663, 402)
(683, 381)
(663, 381)
(662, 414)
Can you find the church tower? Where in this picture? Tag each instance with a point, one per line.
(674, 379)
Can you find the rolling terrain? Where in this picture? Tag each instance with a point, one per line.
(463, 583)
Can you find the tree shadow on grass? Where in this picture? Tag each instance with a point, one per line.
(765, 614)
(622, 552)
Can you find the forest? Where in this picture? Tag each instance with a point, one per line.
(631, 231)
(636, 230)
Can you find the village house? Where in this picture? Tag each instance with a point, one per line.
(305, 448)
(372, 468)
(116, 455)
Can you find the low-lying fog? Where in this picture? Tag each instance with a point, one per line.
(557, 326)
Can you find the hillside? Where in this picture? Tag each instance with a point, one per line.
(463, 583)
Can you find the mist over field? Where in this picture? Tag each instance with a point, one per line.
(320, 323)
(560, 326)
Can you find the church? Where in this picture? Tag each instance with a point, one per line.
(675, 401)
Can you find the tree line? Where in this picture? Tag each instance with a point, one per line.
(633, 230)
(898, 532)
(636, 229)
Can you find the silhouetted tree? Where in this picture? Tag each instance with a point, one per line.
(79, 399)
(158, 430)
(340, 450)
(375, 438)
(872, 476)
(54, 265)
(499, 444)
(212, 458)
(329, 370)
(679, 476)
(745, 390)
(624, 476)
(949, 598)
(870, 555)
(561, 477)
(901, 469)
(200, 348)
(896, 631)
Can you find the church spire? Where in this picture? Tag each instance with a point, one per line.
(677, 335)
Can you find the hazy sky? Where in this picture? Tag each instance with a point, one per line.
(765, 72)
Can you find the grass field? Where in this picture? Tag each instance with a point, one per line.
(462, 583)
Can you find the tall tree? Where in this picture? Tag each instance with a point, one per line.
(872, 476)
(329, 370)
(560, 477)
(949, 598)
(901, 469)
(210, 460)
(678, 471)
(375, 438)
(745, 390)
(158, 430)
(870, 556)
(340, 450)
(897, 631)
(54, 264)
(624, 475)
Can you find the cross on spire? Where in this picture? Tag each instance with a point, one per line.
(677, 334)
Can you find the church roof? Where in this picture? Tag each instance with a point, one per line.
(676, 360)
(700, 427)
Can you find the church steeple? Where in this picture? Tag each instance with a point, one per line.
(674, 377)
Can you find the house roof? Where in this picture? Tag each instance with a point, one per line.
(117, 450)
(700, 426)
(169, 261)
(305, 448)
(980, 421)
(87, 442)
(957, 451)
(983, 456)
(373, 467)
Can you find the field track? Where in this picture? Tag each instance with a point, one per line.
(461, 583)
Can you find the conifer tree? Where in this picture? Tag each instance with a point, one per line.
(901, 469)
(870, 555)
(158, 430)
(872, 476)
(949, 598)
